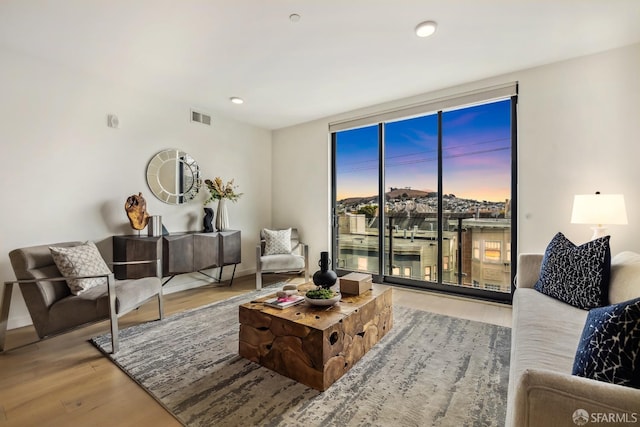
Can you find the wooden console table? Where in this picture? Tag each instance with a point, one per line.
(315, 345)
(180, 253)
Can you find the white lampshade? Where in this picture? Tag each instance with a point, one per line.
(599, 209)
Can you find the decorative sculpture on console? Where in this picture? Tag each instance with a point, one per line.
(136, 208)
(208, 218)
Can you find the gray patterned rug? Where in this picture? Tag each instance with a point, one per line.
(430, 370)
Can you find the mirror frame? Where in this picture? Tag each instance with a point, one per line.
(190, 169)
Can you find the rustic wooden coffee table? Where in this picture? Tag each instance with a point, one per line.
(315, 345)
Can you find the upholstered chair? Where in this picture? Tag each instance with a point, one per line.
(56, 306)
(281, 251)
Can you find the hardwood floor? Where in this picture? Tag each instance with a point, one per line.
(66, 381)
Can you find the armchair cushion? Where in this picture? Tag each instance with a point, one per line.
(93, 304)
(277, 241)
(282, 263)
(82, 260)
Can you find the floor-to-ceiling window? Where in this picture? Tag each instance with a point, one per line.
(427, 200)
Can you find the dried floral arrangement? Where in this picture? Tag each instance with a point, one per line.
(218, 190)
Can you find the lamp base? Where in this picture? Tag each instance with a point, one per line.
(598, 231)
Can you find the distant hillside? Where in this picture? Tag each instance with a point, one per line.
(396, 193)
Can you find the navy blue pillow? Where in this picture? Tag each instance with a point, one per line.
(577, 275)
(609, 349)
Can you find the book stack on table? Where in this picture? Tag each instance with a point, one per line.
(285, 301)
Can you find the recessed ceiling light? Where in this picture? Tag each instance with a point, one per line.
(426, 28)
(236, 100)
(294, 17)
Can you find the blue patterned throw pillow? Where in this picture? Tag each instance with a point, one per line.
(609, 349)
(577, 275)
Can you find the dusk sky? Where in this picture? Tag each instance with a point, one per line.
(476, 150)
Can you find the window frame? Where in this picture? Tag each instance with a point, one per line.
(436, 275)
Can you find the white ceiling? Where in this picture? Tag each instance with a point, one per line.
(341, 55)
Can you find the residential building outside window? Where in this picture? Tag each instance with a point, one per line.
(476, 249)
(427, 273)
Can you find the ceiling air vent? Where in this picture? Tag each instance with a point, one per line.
(203, 118)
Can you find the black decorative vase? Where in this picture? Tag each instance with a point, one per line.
(208, 218)
(324, 277)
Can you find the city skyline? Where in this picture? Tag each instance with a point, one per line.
(476, 151)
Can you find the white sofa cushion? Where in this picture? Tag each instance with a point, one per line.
(625, 277)
(280, 263)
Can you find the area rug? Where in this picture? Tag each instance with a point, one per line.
(429, 370)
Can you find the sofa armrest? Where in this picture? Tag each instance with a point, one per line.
(528, 270)
(547, 398)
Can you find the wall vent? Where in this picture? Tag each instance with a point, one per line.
(199, 117)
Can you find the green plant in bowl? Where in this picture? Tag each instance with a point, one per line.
(320, 293)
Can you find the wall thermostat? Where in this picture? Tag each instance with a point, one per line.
(112, 121)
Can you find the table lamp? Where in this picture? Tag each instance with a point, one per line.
(599, 209)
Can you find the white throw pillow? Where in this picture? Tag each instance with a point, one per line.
(277, 241)
(82, 260)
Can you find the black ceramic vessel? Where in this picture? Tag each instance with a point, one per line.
(324, 277)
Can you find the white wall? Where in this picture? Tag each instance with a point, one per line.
(578, 132)
(301, 185)
(66, 175)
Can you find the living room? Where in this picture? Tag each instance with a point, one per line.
(577, 127)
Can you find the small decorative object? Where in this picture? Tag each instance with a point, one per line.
(136, 208)
(324, 277)
(355, 283)
(284, 302)
(222, 216)
(221, 192)
(208, 218)
(154, 228)
(322, 297)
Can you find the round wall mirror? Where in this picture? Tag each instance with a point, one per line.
(173, 176)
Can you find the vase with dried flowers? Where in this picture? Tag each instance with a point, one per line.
(221, 192)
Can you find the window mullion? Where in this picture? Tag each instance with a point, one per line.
(381, 200)
(440, 210)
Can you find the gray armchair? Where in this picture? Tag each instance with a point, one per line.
(52, 306)
(296, 261)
